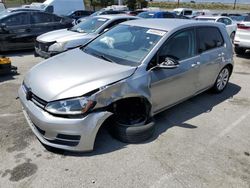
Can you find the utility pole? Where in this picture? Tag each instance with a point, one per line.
(120, 2)
(178, 3)
(234, 4)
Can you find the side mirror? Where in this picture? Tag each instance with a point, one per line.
(105, 30)
(3, 27)
(169, 63)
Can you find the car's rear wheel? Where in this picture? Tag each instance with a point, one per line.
(239, 50)
(222, 80)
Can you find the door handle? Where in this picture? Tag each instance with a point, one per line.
(28, 30)
(195, 64)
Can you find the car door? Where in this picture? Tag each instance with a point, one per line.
(170, 86)
(211, 50)
(16, 34)
(42, 23)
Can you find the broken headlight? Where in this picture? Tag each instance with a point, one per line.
(75, 106)
(57, 47)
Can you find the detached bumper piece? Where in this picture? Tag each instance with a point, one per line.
(5, 67)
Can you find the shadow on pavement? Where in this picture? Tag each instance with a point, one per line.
(17, 53)
(246, 55)
(8, 77)
(175, 116)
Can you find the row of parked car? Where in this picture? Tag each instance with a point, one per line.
(26, 29)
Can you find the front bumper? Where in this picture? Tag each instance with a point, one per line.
(43, 54)
(63, 133)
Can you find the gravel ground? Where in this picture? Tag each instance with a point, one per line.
(203, 142)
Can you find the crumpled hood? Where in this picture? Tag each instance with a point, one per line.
(62, 35)
(72, 74)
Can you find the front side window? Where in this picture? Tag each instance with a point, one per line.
(15, 20)
(208, 41)
(89, 25)
(180, 46)
(38, 18)
(124, 44)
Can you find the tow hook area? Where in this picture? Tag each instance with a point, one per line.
(5, 66)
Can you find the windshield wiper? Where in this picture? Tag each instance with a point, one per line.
(106, 58)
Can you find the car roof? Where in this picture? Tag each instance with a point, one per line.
(212, 17)
(167, 24)
(115, 16)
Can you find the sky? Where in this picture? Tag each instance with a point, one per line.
(216, 1)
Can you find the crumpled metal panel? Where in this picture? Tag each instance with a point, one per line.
(135, 86)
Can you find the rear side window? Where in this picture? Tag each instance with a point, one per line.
(17, 19)
(168, 15)
(207, 40)
(37, 18)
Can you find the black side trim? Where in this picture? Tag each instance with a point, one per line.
(69, 137)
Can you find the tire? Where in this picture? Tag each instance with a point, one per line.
(239, 51)
(132, 133)
(221, 80)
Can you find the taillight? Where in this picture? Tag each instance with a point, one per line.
(243, 26)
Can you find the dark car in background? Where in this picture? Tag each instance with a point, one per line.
(160, 14)
(18, 30)
(79, 14)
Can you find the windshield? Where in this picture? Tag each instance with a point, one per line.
(96, 13)
(89, 25)
(146, 15)
(124, 44)
(3, 14)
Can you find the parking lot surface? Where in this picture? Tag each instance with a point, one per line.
(203, 142)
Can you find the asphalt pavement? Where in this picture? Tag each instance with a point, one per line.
(203, 142)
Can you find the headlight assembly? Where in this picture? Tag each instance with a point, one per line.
(75, 106)
(57, 47)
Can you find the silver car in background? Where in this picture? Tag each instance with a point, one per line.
(55, 42)
(231, 26)
(130, 73)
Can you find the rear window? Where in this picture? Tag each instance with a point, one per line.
(247, 19)
(208, 41)
(146, 15)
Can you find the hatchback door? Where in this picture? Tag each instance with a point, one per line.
(170, 86)
(211, 49)
(17, 31)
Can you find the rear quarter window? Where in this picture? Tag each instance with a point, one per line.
(209, 38)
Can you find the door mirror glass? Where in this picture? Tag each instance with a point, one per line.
(169, 63)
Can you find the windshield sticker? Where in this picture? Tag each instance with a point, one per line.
(109, 41)
(156, 32)
(102, 20)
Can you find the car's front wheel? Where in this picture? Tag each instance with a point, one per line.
(222, 80)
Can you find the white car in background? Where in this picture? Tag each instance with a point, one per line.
(242, 36)
(58, 41)
(231, 26)
(2, 7)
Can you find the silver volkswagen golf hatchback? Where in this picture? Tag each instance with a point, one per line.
(127, 75)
